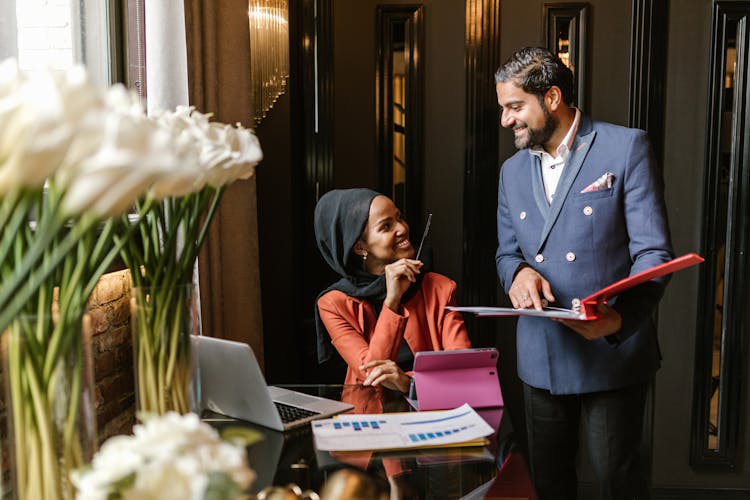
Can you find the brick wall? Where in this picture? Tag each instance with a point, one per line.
(112, 352)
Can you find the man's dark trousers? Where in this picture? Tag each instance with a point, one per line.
(611, 423)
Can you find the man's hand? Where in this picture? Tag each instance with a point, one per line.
(608, 321)
(524, 292)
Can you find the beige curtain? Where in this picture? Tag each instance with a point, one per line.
(218, 54)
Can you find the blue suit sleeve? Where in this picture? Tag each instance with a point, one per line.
(508, 256)
(648, 233)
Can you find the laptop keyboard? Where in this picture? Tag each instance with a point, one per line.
(292, 413)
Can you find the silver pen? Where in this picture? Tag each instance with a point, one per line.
(424, 235)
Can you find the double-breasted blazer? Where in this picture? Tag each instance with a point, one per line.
(580, 243)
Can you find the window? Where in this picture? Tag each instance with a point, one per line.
(725, 278)
(61, 33)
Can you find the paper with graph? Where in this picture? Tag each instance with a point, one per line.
(461, 426)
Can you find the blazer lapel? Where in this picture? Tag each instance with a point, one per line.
(537, 186)
(581, 145)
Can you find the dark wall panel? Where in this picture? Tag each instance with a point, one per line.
(354, 114)
(609, 60)
(685, 142)
(275, 223)
(354, 154)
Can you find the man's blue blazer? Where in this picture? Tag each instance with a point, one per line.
(580, 243)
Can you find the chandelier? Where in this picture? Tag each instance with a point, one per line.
(269, 53)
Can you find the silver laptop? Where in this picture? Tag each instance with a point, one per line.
(233, 385)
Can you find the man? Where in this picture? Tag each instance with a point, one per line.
(580, 206)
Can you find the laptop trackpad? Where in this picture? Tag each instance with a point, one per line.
(296, 399)
(291, 397)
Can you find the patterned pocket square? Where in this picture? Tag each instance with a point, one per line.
(603, 182)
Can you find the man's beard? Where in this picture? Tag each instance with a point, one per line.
(537, 136)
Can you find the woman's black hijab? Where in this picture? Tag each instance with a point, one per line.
(340, 219)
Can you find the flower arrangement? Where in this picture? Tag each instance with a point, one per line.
(162, 260)
(73, 159)
(171, 456)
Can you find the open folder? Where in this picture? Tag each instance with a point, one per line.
(585, 309)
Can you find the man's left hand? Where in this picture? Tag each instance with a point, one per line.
(608, 321)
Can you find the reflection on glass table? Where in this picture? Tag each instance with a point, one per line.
(463, 472)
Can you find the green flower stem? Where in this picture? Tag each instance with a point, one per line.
(173, 344)
(8, 206)
(45, 358)
(43, 394)
(161, 264)
(116, 244)
(68, 295)
(38, 439)
(19, 411)
(162, 354)
(27, 280)
(104, 262)
(44, 426)
(12, 225)
(72, 455)
(45, 232)
(147, 387)
(209, 216)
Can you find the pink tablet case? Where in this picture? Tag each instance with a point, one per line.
(448, 379)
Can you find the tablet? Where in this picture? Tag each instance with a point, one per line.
(448, 379)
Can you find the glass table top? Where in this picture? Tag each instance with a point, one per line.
(459, 472)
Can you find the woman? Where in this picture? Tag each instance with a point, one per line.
(384, 308)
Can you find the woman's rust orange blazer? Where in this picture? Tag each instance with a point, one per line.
(424, 323)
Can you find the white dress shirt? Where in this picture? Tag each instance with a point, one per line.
(552, 167)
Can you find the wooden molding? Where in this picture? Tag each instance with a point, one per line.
(481, 161)
(648, 68)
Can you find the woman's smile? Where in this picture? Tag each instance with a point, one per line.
(404, 244)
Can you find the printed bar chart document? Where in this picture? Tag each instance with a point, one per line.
(585, 309)
(461, 426)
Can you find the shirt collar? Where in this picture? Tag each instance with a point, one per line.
(567, 143)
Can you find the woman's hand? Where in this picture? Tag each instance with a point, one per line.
(398, 276)
(386, 373)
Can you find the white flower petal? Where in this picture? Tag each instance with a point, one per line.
(172, 456)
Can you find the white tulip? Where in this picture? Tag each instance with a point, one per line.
(133, 154)
(40, 114)
(11, 79)
(246, 143)
(123, 101)
(226, 153)
(187, 177)
(91, 128)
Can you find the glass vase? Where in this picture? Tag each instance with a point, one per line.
(163, 320)
(49, 417)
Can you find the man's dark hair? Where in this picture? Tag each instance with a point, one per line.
(535, 70)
